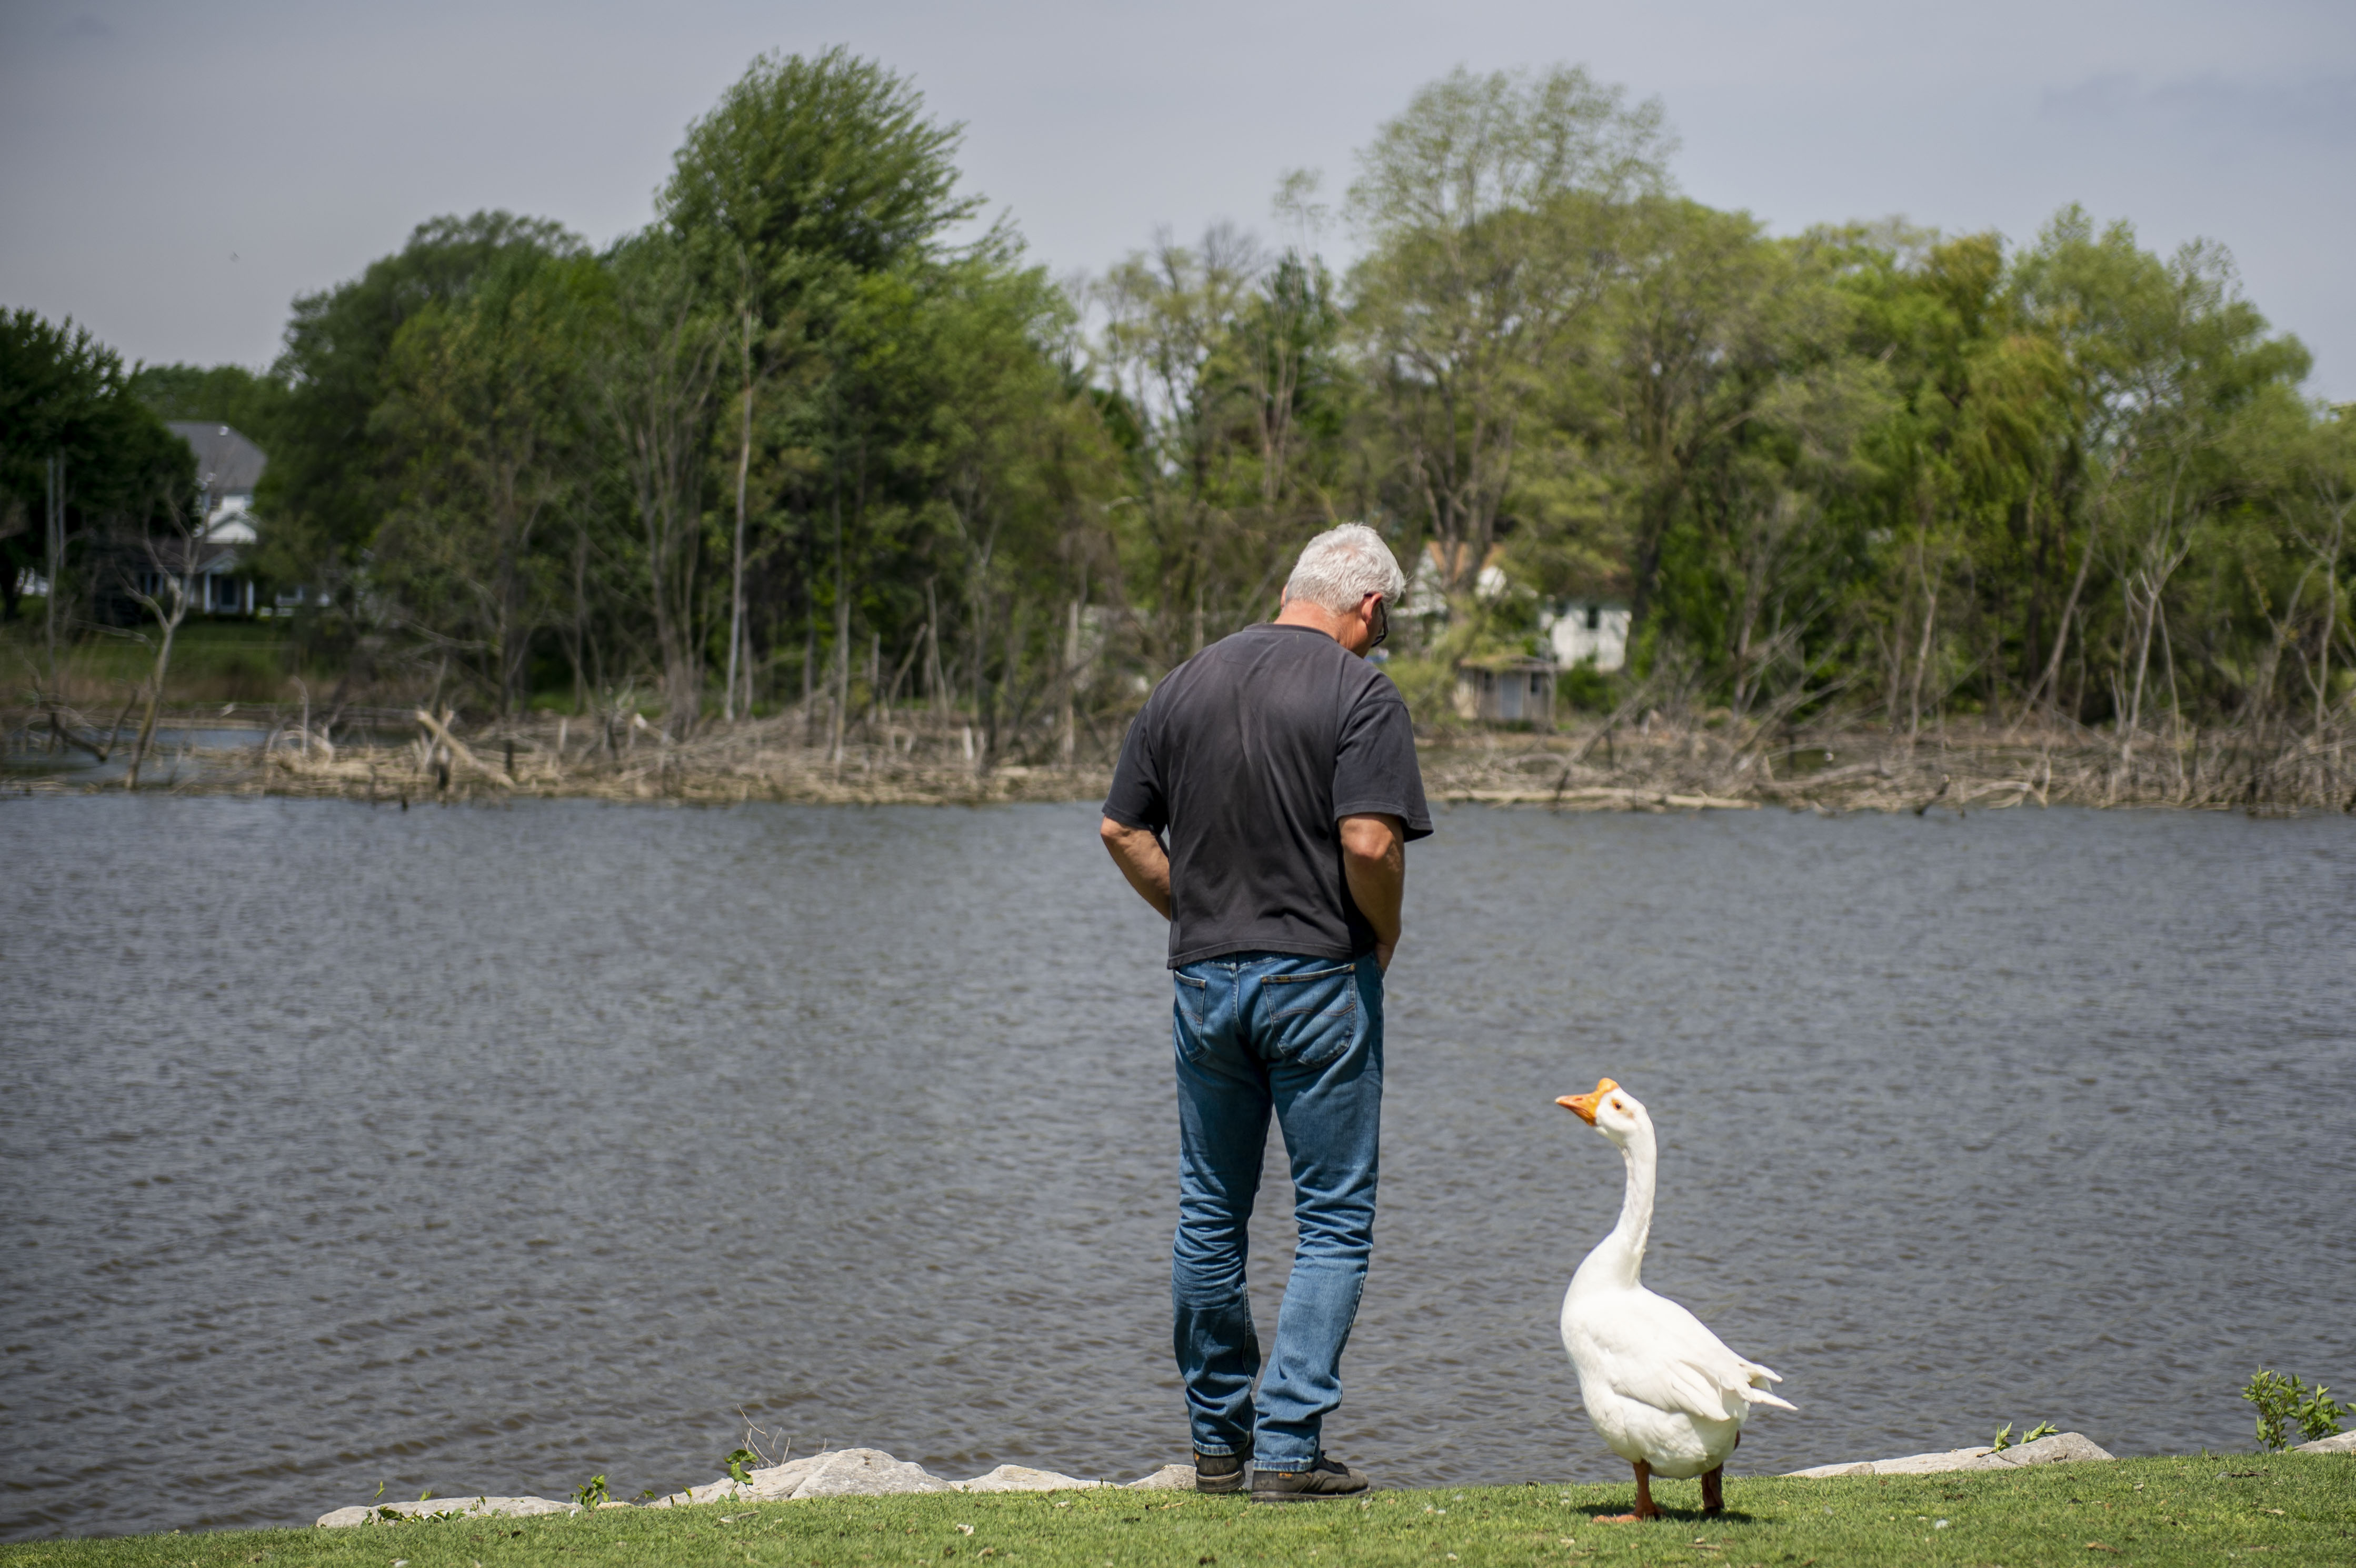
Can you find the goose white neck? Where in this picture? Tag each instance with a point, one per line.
(1618, 1260)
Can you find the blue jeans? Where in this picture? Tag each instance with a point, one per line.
(1302, 1036)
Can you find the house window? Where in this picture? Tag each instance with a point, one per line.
(1595, 617)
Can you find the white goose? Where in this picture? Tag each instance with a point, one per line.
(1663, 1392)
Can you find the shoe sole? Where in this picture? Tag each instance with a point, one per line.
(1259, 1496)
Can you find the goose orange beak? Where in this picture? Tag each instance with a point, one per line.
(1583, 1105)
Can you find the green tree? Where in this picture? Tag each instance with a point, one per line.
(329, 486)
(1009, 452)
(2167, 362)
(230, 394)
(1493, 209)
(487, 410)
(73, 434)
(654, 373)
(811, 172)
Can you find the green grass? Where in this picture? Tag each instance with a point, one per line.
(212, 662)
(2297, 1510)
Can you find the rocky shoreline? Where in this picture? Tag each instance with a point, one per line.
(836, 1473)
(871, 1472)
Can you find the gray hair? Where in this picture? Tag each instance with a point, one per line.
(1342, 566)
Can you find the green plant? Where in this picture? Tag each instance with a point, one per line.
(740, 1463)
(2004, 1439)
(592, 1494)
(2284, 1401)
(1585, 688)
(1428, 685)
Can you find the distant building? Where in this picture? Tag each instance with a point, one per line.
(1588, 632)
(228, 467)
(1506, 690)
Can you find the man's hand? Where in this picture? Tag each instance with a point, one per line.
(1141, 859)
(1373, 862)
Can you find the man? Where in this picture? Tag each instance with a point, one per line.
(1283, 766)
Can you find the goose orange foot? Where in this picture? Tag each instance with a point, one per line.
(1645, 1509)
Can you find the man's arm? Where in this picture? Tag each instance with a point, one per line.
(1374, 861)
(1139, 856)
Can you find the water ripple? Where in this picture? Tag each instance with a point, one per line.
(481, 1149)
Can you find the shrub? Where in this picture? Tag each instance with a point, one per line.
(2282, 1401)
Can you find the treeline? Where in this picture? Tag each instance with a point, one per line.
(84, 457)
(794, 446)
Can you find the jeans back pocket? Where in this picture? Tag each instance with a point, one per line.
(1193, 994)
(1312, 1017)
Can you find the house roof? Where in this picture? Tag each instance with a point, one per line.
(202, 557)
(1442, 556)
(227, 463)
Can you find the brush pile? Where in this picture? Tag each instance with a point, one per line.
(416, 755)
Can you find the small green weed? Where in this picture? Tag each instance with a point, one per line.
(592, 1493)
(2004, 1439)
(2282, 1401)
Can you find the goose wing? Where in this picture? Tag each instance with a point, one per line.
(1652, 1350)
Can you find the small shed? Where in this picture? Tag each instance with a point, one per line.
(1506, 691)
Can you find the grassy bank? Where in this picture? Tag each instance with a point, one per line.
(2293, 1509)
(214, 662)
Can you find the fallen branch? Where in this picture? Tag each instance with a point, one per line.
(458, 750)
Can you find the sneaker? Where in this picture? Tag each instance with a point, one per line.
(1220, 1472)
(1325, 1478)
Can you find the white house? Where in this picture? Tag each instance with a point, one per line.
(1587, 631)
(229, 467)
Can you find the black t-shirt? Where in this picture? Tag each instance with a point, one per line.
(1250, 754)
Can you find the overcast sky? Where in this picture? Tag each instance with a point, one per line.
(173, 172)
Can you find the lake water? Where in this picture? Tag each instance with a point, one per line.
(484, 1149)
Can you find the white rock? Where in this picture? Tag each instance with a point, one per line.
(1023, 1478)
(1932, 1464)
(1912, 1464)
(2343, 1443)
(448, 1507)
(2061, 1449)
(1169, 1479)
(1825, 1472)
(841, 1473)
(865, 1473)
(723, 1490)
